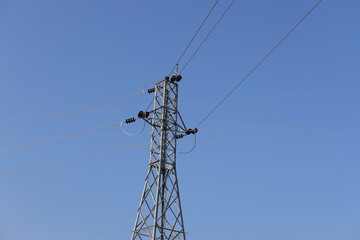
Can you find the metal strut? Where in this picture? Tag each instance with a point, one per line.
(159, 216)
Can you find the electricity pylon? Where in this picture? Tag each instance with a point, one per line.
(160, 216)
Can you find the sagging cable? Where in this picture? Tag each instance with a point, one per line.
(193, 147)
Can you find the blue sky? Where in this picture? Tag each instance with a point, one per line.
(253, 183)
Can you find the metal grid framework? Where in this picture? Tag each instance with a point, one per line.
(160, 215)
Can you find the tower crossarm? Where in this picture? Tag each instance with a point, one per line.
(156, 120)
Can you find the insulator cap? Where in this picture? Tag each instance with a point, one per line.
(142, 114)
(191, 131)
(151, 90)
(130, 120)
(176, 78)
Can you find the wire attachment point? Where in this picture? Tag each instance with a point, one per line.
(143, 114)
(187, 132)
(176, 78)
(191, 131)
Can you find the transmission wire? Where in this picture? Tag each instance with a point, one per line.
(194, 142)
(57, 138)
(208, 35)
(69, 161)
(194, 36)
(204, 102)
(67, 113)
(281, 125)
(203, 142)
(258, 64)
(202, 130)
(282, 138)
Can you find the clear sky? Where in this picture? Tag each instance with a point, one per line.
(253, 184)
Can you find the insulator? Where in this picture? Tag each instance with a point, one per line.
(151, 90)
(167, 78)
(191, 131)
(130, 120)
(142, 114)
(176, 78)
(179, 136)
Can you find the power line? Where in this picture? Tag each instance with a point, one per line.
(57, 138)
(203, 102)
(282, 125)
(39, 138)
(75, 147)
(69, 161)
(277, 96)
(201, 142)
(282, 138)
(48, 114)
(202, 130)
(67, 113)
(194, 36)
(258, 64)
(244, 140)
(208, 35)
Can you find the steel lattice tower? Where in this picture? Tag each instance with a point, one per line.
(160, 215)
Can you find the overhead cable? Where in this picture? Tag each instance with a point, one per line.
(67, 113)
(57, 138)
(275, 96)
(194, 36)
(225, 141)
(258, 64)
(132, 134)
(202, 142)
(281, 138)
(69, 161)
(203, 102)
(207, 36)
(202, 130)
(50, 114)
(282, 125)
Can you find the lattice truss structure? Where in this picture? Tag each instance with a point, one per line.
(160, 214)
